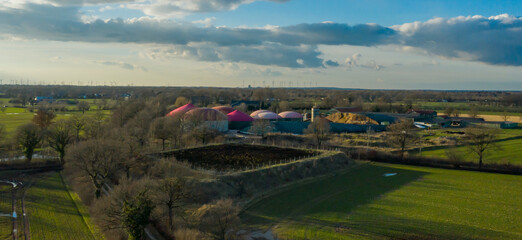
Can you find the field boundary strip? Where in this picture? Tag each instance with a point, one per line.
(84, 220)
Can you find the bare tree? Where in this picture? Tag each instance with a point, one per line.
(319, 130)
(127, 207)
(28, 136)
(59, 137)
(474, 111)
(449, 111)
(43, 118)
(241, 107)
(401, 134)
(172, 194)
(94, 126)
(78, 123)
(138, 127)
(505, 116)
(180, 101)
(218, 218)
(162, 128)
(99, 160)
(83, 106)
(284, 106)
(261, 127)
(479, 140)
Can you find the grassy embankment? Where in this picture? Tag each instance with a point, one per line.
(417, 203)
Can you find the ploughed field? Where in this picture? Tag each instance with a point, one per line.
(385, 201)
(239, 156)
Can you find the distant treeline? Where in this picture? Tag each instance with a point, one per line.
(297, 98)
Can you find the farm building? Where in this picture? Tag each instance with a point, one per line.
(267, 116)
(422, 115)
(238, 120)
(211, 118)
(291, 116)
(224, 109)
(299, 127)
(255, 113)
(179, 112)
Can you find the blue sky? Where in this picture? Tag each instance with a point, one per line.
(408, 44)
(384, 12)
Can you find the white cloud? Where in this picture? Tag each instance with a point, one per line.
(124, 65)
(356, 61)
(493, 40)
(207, 22)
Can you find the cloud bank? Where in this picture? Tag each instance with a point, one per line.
(493, 40)
(156, 8)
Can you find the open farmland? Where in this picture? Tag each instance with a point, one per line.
(506, 150)
(15, 117)
(53, 214)
(416, 203)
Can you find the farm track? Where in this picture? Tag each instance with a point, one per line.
(15, 222)
(27, 233)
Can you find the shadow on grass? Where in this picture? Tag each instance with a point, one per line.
(330, 197)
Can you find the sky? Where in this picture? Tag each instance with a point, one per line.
(373, 44)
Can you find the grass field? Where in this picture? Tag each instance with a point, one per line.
(505, 151)
(6, 226)
(14, 117)
(509, 151)
(53, 214)
(417, 203)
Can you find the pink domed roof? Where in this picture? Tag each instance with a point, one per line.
(255, 113)
(178, 112)
(290, 114)
(224, 109)
(267, 115)
(205, 114)
(237, 116)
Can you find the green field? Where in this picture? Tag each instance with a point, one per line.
(53, 214)
(6, 226)
(507, 150)
(14, 117)
(417, 203)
